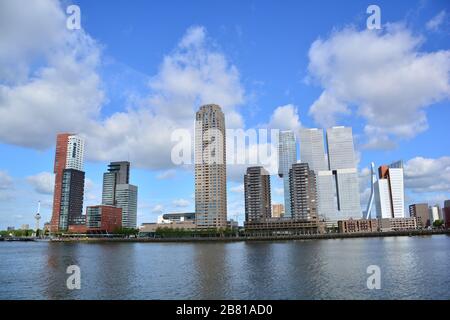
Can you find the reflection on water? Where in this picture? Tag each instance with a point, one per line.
(411, 267)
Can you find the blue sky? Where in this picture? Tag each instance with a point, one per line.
(138, 70)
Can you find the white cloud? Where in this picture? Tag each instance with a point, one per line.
(383, 76)
(279, 191)
(285, 118)
(181, 203)
(428, 175)
(238, 189)
(158, 209)
(6, 181)
(58, 88)
(436, 21)
(167, 174)
(43, 182)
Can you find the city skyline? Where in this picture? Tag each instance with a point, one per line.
(136, 126)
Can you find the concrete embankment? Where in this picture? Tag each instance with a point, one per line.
(263, 238)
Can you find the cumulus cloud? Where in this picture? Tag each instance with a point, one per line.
(381, 77)
(428, 175)
(167, 174)
(238, 189)
(158, 209)
(43, 182)
(435, 23)
(285, 118)
(181, 203)
(55, 86)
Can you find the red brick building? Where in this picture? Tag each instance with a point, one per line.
(103, 218)
(60, 164)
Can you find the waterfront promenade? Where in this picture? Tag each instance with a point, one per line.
(260, 238)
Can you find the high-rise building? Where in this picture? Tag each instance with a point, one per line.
(117, 191)
(390, 194)
(434, 212)
(257, 194)
(312, 149)
(287, 156)
(312, 152)
(126, 198)
(277, 210)
(303, 192)
(210, 168)
(421, 213)
(341, 162)
(103, 218)
(118, 173)
(69, 181)
(72, 194)
(446, 213)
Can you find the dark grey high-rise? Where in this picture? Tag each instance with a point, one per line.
(72, 193)
(118, 173)
(117, 191)
(257, 194)
(302, 182)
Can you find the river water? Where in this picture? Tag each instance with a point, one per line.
(410, 268)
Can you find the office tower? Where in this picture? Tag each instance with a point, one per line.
(390, 197)
(210, 168)
(312, 149)
(257, 194)
(434, 213)
(118, 173)
(341, 162)
(69, 181)
(126, 198)
(103, 218)
(117, 191)
(303, 192)
(446, 213)
(287, 156)
(277, 211)
(72, 193)
(420, 211)
(312, 152)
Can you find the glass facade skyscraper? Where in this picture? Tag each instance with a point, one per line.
(287, 156)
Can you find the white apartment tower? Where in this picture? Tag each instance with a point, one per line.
(210, 168)
(390, 191)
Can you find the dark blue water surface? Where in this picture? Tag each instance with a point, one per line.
(411, 268)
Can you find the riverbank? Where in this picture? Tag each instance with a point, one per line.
(409, 233)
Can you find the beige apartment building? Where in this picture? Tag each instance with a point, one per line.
(210, 168)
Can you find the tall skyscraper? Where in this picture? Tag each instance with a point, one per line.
(118, 173)
(446, 213)
(126, 199)
(389, 191)
(312, 152)
(118, 192)
(303, 192)
(69, 181)
(210, 168)
(287, 156)
(341, 162)
(257, 194)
